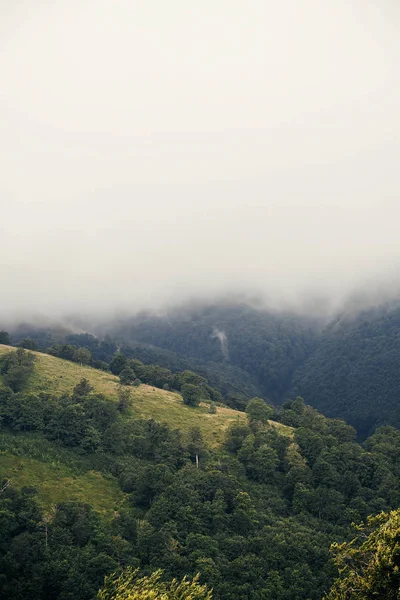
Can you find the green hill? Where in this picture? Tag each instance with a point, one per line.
(255, 516)
(28, 460)
(56, 376)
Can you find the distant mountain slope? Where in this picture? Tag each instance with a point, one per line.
(235, 384)
(350, 369)
(354, 372)
(266, 346)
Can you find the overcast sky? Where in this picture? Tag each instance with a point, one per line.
(157, 150)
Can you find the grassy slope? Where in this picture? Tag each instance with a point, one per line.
(57, 483)
(56, 376)
(56, 480)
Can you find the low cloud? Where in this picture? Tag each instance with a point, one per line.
(154, 154)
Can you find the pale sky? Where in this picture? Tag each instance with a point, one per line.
(154, 151)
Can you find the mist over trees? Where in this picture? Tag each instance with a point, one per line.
(254, 517)
(346, 367)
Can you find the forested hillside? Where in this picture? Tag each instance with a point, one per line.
(347, 368)
(354, 372)
(253, 515)
(268, 346)
(235, 384)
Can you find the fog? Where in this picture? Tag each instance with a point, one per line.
(154, 152)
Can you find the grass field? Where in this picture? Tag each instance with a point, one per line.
(57, 483)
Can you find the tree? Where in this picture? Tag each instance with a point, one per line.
(213, 409)
(5, 338)
(82, 356)
(195, 443)
(118, 363)
(127, 376)
(68, 425)
(191, 394)
(258, 411)
(124, 398)
(155, 375)
(235, 435)
(28, 344)
(17, 377)
(65, 351)
(186, 377)
(263, 464)
(16, 368)
(369, 564)
(341, 430)
(82, 389)
(131, 585)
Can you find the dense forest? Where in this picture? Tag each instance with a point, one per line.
(354, 371)
(253, 518)
(268, 346)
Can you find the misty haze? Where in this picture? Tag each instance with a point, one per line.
(200, 300)
(158, 152)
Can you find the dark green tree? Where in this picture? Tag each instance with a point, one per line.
(83, 356)
(258, 411)
(118, 363)
(191, 394)
(28, 344)
(124, 398)
(127, 376)
(236, 433)
(5, 338)
(16, 368)
(82, 389)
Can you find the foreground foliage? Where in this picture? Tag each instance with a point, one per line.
(369, 565)
(131, 585)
